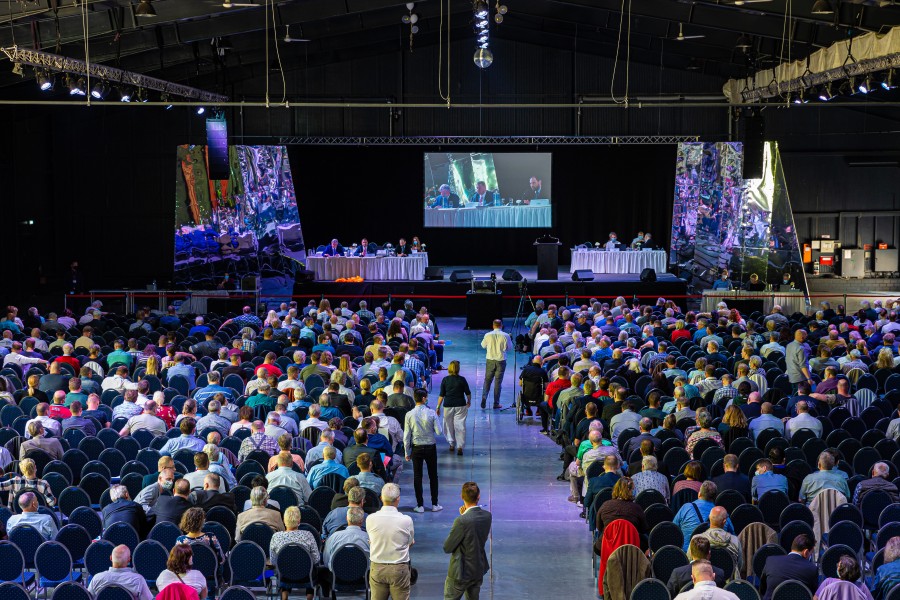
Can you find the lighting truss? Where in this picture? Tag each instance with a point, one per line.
(488, 140)
(55, 63)
(859, 68)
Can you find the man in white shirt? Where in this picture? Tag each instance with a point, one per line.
(803, 420)
(496, 342)
(15, 356)
(705, 584)
(391, 534)
(284, 475)
(313, 421)
(116, 381)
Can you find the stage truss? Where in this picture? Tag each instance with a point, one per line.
(560, 140)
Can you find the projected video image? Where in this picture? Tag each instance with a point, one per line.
(487, 189)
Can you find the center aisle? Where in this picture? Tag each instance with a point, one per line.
(539, 547)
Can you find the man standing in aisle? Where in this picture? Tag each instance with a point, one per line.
(496, 342)
(419, 433)
(465, 544)
(391, 534)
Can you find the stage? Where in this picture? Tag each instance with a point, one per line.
(446, 297)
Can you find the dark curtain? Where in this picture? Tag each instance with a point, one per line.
(376, 192)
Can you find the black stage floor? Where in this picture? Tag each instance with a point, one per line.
(450, 298)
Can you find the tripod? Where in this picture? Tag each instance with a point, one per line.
(517, 323)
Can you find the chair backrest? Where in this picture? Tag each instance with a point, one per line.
(85, 516)
(650, 589)
(744, 590)
(666, 534)
(97, 558)
(114, 592)
(12, 562)
(221, 533)
(76, 539)
(791, 590)
(762, 554)
(53, 562)
(237, 592)
(796, 512)
(150, 558)
(165, 533)
(13, 591)
(351, 567)
(294, 565)
(667, 559)
(122, 533)
(792, 530)
(771, 505)
(284, 496)
(259, 533)
(247, 562)
(848, 534)
(72, 590)
(828, 562)
(649, 497)
(28, 539)
(872, 504)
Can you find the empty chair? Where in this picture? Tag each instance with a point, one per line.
(294, 567)
(71, 590)
(12, 565)
(239, 592)
(665, 534)
(744, 515)
(122, 533)
(149, 560)
(53, 564)
(791, 590)
(650, 589)
(165, 533)
(848, 534)
(88, 518)
(76, 539)
(13, 591)
(97, 557)
(247, 563)
(742, 589)
(772, 504)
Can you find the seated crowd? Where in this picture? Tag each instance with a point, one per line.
(283, 429)
(712, 451)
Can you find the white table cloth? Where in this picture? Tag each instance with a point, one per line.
(627, 261)
(500, 216)
(370, 268)
(790, 302)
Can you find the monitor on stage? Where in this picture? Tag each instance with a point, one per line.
(487, 189)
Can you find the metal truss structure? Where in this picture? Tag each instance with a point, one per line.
(853, 69)
(54, 63)
(489, 140)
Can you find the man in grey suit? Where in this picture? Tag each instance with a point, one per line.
(465, 543)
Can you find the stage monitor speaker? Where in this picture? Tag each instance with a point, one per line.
(304, 275)
(434, 273)
(583, 275)
(648, 275)
(461, 276)
(217, 148)
(753, 139)
(511, 275)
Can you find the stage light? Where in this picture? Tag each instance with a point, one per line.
(405, 19)
(145, 9)
(822, 7)
(483, 58)
(482, 24)
(887, 81)
(76, 85)
(825, 93)
(482, 38)
(201, 110)
(480, 9)
(501, 8)
(45, 82)
(414, 29)
(498, 18)
(866, 85)
(744, 42)
(848, 88)
(99, 90)
(125, 93)
(17, 69)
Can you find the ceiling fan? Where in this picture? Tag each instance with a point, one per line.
(287, 36)
(743, 2)
(681, 37)
(230, 4)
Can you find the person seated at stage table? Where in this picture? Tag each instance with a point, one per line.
(785, 285)
(334, 249)
(754, 284)
(445, 199)
(403, 249)
(363, 249)
(638, 240)
(723, 283)
(613, 243)
(482, 197)
(648, 243)
(535, 184)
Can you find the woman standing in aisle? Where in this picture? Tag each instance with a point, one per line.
(456, 399)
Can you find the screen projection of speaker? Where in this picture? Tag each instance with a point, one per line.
(487, 189)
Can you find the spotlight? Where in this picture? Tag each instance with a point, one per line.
(145, 9)
(45, 82)
(201, 110)
(848, 88)
(17, 69)
(744, 42)
(799, 97)
(414, 29)
(501, 8)
(498, 18)
(825, 93)
(405, 19)
(76, 85)
(866, 85)
(125, 93)
(99, 90)
(888, 81)
(482, 38)
(483, 58)
(414, 18)
(481, 9)
(822, 7)
(482, 24)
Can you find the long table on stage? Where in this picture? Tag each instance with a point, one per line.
(790, 302)
(627, 261)
(496, 216)
(370, 268)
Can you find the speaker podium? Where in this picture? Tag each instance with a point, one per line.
(547, 258)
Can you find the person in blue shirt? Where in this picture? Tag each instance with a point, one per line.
(207, 393)
(826, 477)
(170, 321)
(324, 344)
(199, 329)
(766, 480)
(329, 465)
(887, 577)
(723, 283)
(186, 371)
(694, 513)
(119, 355)
(766, 420)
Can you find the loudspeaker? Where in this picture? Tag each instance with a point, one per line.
(511, 275)
(217, 149)
(304, 275)
(648, 275)
(753, 138)
(583, 275)
(461, 276)
(434, 273)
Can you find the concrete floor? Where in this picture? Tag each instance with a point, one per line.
(539, 548)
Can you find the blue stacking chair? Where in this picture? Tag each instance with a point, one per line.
(247, 562)
(149, 560)
(28, 539)
(294, 567)
(122, 533)
(71, 590)
(165, 533)
(87, 518)
(12, 565)
(351, 571)
(53, 564)
(14, 591)
(76, 539)
(98, 558)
